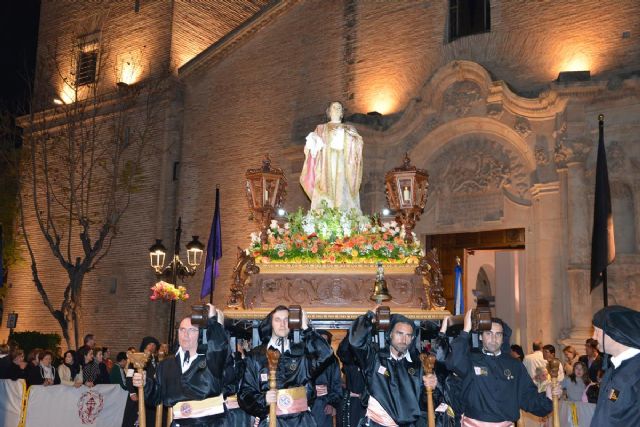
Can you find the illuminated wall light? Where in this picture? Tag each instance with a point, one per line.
(68, 94)
(58, 101)
(129, 67)
(382, 102)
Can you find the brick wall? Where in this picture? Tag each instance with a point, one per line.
(272, 90)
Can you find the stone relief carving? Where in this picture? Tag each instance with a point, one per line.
(541, 156)
(522, 126)
(474, 175)
(625, 290)
(330, 290)
(460, 97)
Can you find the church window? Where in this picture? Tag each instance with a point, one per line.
(467, 17)
(87, 60)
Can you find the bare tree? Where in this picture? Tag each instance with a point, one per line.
(81, 161)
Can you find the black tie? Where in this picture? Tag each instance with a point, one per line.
(186, 357)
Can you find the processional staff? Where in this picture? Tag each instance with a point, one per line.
(428, 363)
(553, 366)
(139, 361)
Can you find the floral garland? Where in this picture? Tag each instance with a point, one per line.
(330, 235)
(167, 292)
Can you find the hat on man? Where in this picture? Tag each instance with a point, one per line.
(622, 324)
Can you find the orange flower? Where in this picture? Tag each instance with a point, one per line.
(314, 249)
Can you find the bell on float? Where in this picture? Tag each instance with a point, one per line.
(380, 291)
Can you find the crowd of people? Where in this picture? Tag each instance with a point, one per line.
(373, 380)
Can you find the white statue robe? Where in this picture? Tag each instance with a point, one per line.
(332, 170)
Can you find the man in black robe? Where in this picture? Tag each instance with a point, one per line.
(617, 330)
(191, 383)
(495, 386)
(236, 416)
(393, 374)
(352, 409)
(298, 367)
(328, 390)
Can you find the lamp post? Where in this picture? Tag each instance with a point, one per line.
(406, 190)
(266, 188)
(176, 268)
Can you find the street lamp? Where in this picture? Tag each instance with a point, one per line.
(176, 268)
(266, 188)
(406, 189)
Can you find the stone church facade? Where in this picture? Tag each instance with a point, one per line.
(507, 147)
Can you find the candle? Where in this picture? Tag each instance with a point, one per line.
(406, 195)
(266, 196)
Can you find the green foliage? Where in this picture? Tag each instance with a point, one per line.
(29, 340)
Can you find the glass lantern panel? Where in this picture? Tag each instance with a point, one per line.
(157, 259)
(194, 257)
(406, 192)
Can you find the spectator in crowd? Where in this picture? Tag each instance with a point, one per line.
(570, 359)
(541, 379)
(549, 354)
(5, 361)
(33, 363)
(103, 375)
(69, 371)
(576, 382)
(118, 376)
(90, 369)
(106, 356)
(517, 352)
(18, 368)
(535, 359)
(45, 374)
(592, 391)
(592, 358)
(89, 341)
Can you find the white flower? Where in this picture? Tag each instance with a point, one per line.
(255, 237)
(274, 224)
(286, 225)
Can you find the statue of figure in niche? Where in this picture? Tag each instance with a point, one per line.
(332, 170)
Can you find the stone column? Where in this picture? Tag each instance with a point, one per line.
(545, 264)
(579, 252)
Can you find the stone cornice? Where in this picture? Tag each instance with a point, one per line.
(227, 44)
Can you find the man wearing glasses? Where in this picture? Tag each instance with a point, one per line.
(191, 383)
(495, 385)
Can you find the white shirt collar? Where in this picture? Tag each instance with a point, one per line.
(273, 343)
(497, 353)
(185, 365)
(404, 356)
(627, 354)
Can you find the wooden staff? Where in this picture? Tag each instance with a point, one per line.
(553, 366)
(139, 361)
(160, 406)
(273, 356)
(428, 362)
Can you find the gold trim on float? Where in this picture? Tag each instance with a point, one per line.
(338, 314)
(337, 268)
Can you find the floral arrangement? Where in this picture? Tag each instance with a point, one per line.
(167, 292)
(330, 235)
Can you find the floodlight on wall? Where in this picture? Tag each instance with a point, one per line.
(574, 76)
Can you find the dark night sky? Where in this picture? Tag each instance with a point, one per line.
(18, 41)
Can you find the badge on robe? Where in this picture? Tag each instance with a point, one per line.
(481, 371)
(614, 394)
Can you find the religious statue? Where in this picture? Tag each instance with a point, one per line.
(332, 170)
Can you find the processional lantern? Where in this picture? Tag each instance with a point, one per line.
(266, 188)
(406, 189)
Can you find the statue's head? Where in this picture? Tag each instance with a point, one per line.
(335, 111)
